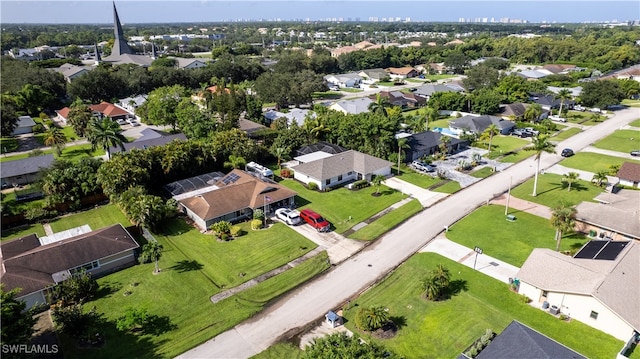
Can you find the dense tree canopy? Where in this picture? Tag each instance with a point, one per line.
(601, 94)
(341, 346)
(70, 181)
(17, 323)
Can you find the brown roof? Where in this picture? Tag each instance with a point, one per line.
(108, 109)
(400, 70)
(362, 44)
(557, 68)
(64, 112)
(234, 194)
(30, 266)
(616, 212)
(629, 171)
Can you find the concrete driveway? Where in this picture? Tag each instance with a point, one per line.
(426, 197)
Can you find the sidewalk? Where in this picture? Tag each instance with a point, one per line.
(424, 196)
(488, 265)
(522, 205)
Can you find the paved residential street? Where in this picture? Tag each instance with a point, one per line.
(347, 280)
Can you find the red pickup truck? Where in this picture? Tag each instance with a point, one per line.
(315, 220)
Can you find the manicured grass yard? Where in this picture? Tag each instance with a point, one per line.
(180, 294)
(413, 177)
(511, 242)
(8, 144)
(72, 153)
(96, 218)
(621, 141)
(635, 123)
(484, 172)
(22, 231)
(443, 329)
(563, 135)
(279, 351)
(383, 224)
(552, 192)
(340, 204)
(501, 145)
(442, 123)
(593, 162)
(449, 187)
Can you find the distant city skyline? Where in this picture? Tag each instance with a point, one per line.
(155, 11)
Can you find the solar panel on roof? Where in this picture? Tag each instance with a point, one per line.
(590, 249)
(231, 178)
(611, 250)
(192, 184)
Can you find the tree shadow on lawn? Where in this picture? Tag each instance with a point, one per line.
(577, 186)
(186, 266)
(454, 288)
(157, 325)
(400, 321)
(175, 227)
(556, 186)
(106, 289)
(301, 201)
(118, 342)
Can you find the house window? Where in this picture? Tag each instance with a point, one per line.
(88, 267)
(594, 315)
(545, 293)
(327, 181)
(340, 178)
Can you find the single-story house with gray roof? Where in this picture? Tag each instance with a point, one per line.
(341, 168)
(344, 80)
(29, 264)
(24, 171)
(594, 289)
(427, 143)
(25, 125)
(427, 90)
(478, 124)
(352, 107)
(150, 138)
(616, 215)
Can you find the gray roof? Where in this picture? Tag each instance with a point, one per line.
(140, 60)
(345, 77)
(320, 147)
(429, 89)
(25, 121)
(615, 283)
(137, 100)
(618, 212)
(342, 163)
(295, 114)
(478, 124)
(25, 166)
(354, 107)
(151, 142)
(519, 341)
(374, 74)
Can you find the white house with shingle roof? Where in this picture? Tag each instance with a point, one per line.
(341, 168)
(352, 107)
(602, 293)
(616, 215)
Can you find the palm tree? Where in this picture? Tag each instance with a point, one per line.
(379, 105)
(599, 178)
(378, 316)
(431, 288)
(402, 145)
(442, 276)
(105, 133)
(570, 178)
(430, 115)
(540, 144)
(532, 113)
(563, 220)
(563, 94)
(235, 162)
(152, 251)
(54, 137)
(377, 181)
(280, 153)
(491, 131)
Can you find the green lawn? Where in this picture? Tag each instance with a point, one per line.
(96, 218)
(635, 123)
(438, 77)
(254, 253)
(10, 206)
(621, 141)
(413, 177)
(342, 207)
(180, 297)
(441, 123)
(517, 156)
(23, 231)
(502, 145)
(348, 89)
(593, 162)
(449, 187)
(383, 224)
(552, 192)
(511, 242)
(443, 329)
(280, 351)
(72, 153)
(484, 172)
(8, 144)
(631, 103)
(563, 135)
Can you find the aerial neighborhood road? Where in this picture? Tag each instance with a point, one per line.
(354, 275)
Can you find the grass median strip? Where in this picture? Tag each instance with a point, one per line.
(383, 224)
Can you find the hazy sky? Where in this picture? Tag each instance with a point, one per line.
(150, 11)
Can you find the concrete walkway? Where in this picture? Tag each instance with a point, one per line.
(522, 205)
(424, 196)
(488, 265)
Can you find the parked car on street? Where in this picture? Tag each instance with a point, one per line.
(288, 216)
(579, 108)
(315, 220)
(421, 166)
(635, 153)
(557, 118)
(567, 152)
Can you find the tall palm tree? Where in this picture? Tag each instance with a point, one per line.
(402, 145)
(599, 178)
(235, 162)
(431, 288)
(54, 137)
(570, 178)
(280, 153)
(105, 133)
(539, 145)
(563, 220)
(563, 95)
(152, 251)
(377, 181)
(491, 131)
(532, 113)
(430, 115)
(442, 276)
(379, 105)
(378, 316)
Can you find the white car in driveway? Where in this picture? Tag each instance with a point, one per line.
(288, 216)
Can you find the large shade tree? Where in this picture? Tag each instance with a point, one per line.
(17, 322)
(539, 145)
(105, 134)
